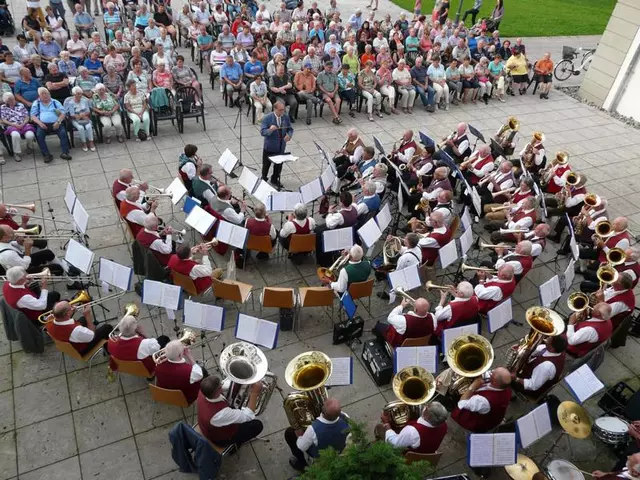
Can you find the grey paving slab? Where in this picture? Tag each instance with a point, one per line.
(45, 442)
(68, 469)
(102, 424)
(149, 445)
(117, 461)
(30, 401)
(9, 464)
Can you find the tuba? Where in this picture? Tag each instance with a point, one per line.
(562, 158)
(307, 373)
(469, 356)
(412, 386)
(505, 135)
(244, 364)
(544, 322)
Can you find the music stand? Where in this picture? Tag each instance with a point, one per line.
(379, 146)
(426, 140)
(477, 133)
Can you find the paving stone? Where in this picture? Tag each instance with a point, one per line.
(28, 368)
(45, 442)
(9, 463)
(145, 415)
(117, 461)
(7, 421)
(29, 401)
(101, 389)
(102, 424)
(68, 469)
(149, 445)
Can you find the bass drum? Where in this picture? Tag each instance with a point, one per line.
(563, 470)
(611, 430)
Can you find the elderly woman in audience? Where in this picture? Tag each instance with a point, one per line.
(23, 50)
(183, 76)
(32, 26)
(142, 79)
(116, 60)
(123, 47)
(162, 56)
(496, 75)
(38, 69)
(142, 17)
(97, 45)
(26, 88)
(113, 82)
(470, 84)
(107, 108)
(94, 65)
(184, 20)
(78, 108)
(129, 32)
(85, 81)
(162, 77)
(66, 65)
(136, 54)
(77, 48)
(368, 82)
(9, 69)
(260, 52)
(385, 83)
(15, 118)
(273, 64)
(166, 41)
(56, 25)
(137, 108)
(482, 74)
(258, 91)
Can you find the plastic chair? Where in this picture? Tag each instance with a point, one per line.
(432, 458)
(361, 290)
(184, 96)
(186, 283)
(259, 243)
(131, 367)
(236, 292)
(416, 342)
(302, 243)
(315, 297)
(277, 298)
(170, 397)
(65, 348)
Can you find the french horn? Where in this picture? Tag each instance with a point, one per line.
(413, 386)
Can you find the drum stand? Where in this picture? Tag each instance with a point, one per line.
(554, 445)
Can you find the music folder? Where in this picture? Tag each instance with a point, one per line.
(583, 383)
(378, 145)
(491, 449)
(341, 372)
(534, 425)
(257, 331)
(500, 315)
(203, 316)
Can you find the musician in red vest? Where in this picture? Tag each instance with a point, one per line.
(260, 225)
(630, 468)
(496, 187)
(439, 183)
(413, 324)
(124, 181)
(81, 334)
(457, 145)
(619, 238)
(543, 369)
(520, 259)
(6, 218)
(483, 406)
(19, 296)
(161, 244)
(511, 200)
(347, 216)
(557, 175)
(180, 371)
(585, 335)
(522, 218)
(431, 243)
(462, 309)
(222, 424)
(201, 273)
(491, 291)
(133, 211)
(620, 297)
(423, 435)
(630, 267)
(299, 222)
(570, 201)
(131, 344)
(405, 150)
(479, 165)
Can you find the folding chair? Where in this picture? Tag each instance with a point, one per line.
(315, 297)
(131, 367)
(258, 243)
(277, 298)
(236, 292)
(301, 243)
(170, 397)
(362, 289)
(432, 458)
(416, 342)
(187, 284)
(65, 348)
(223, 451)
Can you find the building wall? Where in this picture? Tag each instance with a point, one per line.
(614, 56)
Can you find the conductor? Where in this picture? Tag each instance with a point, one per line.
(277, 131)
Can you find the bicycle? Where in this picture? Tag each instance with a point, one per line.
(566, 67)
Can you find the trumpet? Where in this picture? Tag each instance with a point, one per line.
(178, 233)
(464, 267)
(446, 139)
(200, 246)
(400, 291)
(28, 206)
(159, 190)
(432, 286)
(488, 245)
(188, 338)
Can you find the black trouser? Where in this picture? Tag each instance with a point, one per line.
(40, 258)
(474, 14)
(266, 165)
(291, 438)
(101, 333)
(52, 299)
(246, 431)
(349, 96)
(342, 164)
(290, 100)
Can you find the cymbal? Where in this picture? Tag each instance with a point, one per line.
(523, 469)
(574, 420)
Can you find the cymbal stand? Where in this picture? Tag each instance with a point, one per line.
(554, 445)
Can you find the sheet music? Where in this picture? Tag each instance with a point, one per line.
(70, 197)
(278, 159)
(575, 251)
(491, 449)
(248, 180)
(569, 275)
(450, 334)
(504, 448)
(115, 274)
(466, 241)
(534, 425)
(400, 198)
(200, 219)
(203, 316)
(466, 219)
(311, 191)
(477, 201)
(327, 177)
(583, 383)
(500, 315)
(425, 357)
(227, 161)
(407, 278)
(384, 217)
(79, 256)
(177, 190)
(256, 330)
(161, 294)
(80, 217)
(370, 233)
(285, 201)
(337, 239)
(550, 291)
(189, 203)
(341, 372)
(231, 234)
(448, 254)
(263, 191)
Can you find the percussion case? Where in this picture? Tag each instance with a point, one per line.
(377, 361)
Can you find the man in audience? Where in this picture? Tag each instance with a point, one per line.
(48, 115)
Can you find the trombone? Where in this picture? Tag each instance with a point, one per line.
(432, 286)
(28, 206)
(139, 182)
(46, 274)
(14, 211)
(514, 230)
(130, 309)
(400, 291)
(464, 267)
(330, 272)
(489, 245)
(509, 206)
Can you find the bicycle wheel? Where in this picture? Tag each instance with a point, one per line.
(563, 70)
(587, 58)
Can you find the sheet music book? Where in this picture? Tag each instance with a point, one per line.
(583, 383)
(70, 197)
(200, 219)
(248, 180)
(466, 219)
(177, 190)
(550, 291)
(79, 256)
(263, 191)
(569, 275)
(227, 161)
(311, 191)
(500, 315)
(341, 372)
(450, 334)
(400, 198)
(426, 140)
(407, 278)
(203, 316)
(161, 294)
(491, 449)
(327, 178)
(115, 274)
(278, 159)
(384, 217)
(425, 357)
(284, 201)
(189, 203)
(448, 254)
(80, 217)
(231, 234)
(256, 330)
(370, 233)
(534, 425)
(466, 241)
(337, 239)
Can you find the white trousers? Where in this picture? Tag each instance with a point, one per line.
(113, 121)
(440, 90)
(407, 98)
(372, 97)
(259, 107)
(485, 87)
(390, 92)
(17, 144)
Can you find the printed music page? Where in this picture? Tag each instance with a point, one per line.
(466, 241)
(527, 430)
(583, 383)
(70, 198)
(337, 239)
(246, 328)
(267, 334)
(248, 180)
(448, 254)
(263, 192)
(327, 177)
(277, 159)
(238, 236)
(370, 233)
(504, 448)
(407, 278)
(203, 317)
(311, 191)
(550, 291)
(170, 296)
(384, 217)
(569, 275)
(200, 219)
(424, 357)
(227, 161)
(115, 274)
(284, 201)
(500, 315)
(225, 230)
(450, 334)
(177, 190)
(341, 371)
(79, 256)
(80, 217)
(152, 293)
(466, 219)
(543, 420)
(481, 450)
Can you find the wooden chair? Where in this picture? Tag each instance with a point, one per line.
(302, 243)
(361, 290)
(223, 451)
(315, 297)
(232, 290)
(432, 458)
(277, 298)
(170, 397)
(131, 367)
(186, 283)
(65, 348)
(416, 342)
(258, 243)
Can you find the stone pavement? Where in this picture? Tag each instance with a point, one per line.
(53, 426)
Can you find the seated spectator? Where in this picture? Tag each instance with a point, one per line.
(57, 83)
(227, 39)
(294, 64)
(219, 17)
(142, 18)
(78, 108)
(136, 54)
(85, 81)
(217, 59)
(94, 65)
(129, 32)
(48, 115)
(166, 42)
(33, 26)
(107, 108)
(77, 49)
(121, 45)
(185, 76)
(496, 75)
(48, 48)
(231, 76)
(23, 50)
(142, 79)
(83, 22)
(260, 52)
(137, 108)
(258, 91)
(347, 88)
(152, 31)
(113, 82)
(56, 25)
(544, 74)
(15, 119)
(164, 20)
(112, 20)
(305, 83)
(517, 66)
(367, 81)
(9, 69)
(279, 48)
(26, 88)
(246, 38)
(297, 45)
(252, 69)
(38, 69)
(116, 60)
(281, 87)
(97, 45)
(162, 78)
(240, 54)
(162, 56)
(184, 19)
(66, 65)
(201, 15)
(351, 59)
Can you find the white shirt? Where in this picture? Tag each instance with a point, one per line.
(482, 171)
(630, 271)
(544, 372)
(573, 200)
(397, 320)
(517, 266)
(408, 436)
(122, 194)
(362, 207)
(536, 248)
(492, 292)
(623, 244)
(135, 215)
(230, 214)
(160, 245)
(425, 169)
(29, 302)
(79, 334)
(478, 403)
(406, 155)
(464, 145)
(196, 370)
(497, 182)
(539, 156)
(229, 416)
(616, 307)
(289, 228)
(379, 43)
(443, 314)
(334, 220)
(523, 223)
(189, 170)
(341, 284)
(272, 231)
(408, 257)
(584, 335)
(147, 347)
(357, 154)
(429, 241)
(12, 256)
(209, 194)
(309, 437)
(445, 211)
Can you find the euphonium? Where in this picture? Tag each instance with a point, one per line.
(512, 124)
(604, 229)
(188, 338)
(543, 322)
(469, 356)
(330, 272)
(412, 386)
(82, 297)
(616, 256)
(578, 302)
(244, 364)
(423, 205)
(307, 373)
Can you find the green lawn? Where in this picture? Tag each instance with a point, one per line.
(535, 18)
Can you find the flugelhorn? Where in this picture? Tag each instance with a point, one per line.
(500, 245)
(616, 256)
(400, 291)
(432, 286)
(464, 267)
(28, 206)
(130, 310)
(188, 338)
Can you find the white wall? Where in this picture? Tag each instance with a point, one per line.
(629, 100)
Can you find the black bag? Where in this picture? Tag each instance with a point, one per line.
(286, 319)
(348, 330)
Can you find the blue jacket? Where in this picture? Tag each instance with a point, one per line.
(274, 139)
(192, 452)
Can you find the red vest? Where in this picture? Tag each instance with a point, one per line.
(604, 331)
(13, 295)
(416, 327)
(629, 299)
(518, 196)
(177, 376)
(520, 214)
(128, 350)
(125, 209)
(62, 333)
(461, 312)
(611, 242)
(480, 423)
(635, 267)
(529, 367)
(146, 239)
(430, 437)
(258, 227)
(429, 255)
(559, 172)
(507, 289)
(478, 165)
(302, 230)
(9, 221)
(206, 411)
(184, 267)
(405, 146)
(116, 189)
(525, 260)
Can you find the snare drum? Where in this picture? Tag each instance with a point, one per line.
(563, 470)
(611, 430)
